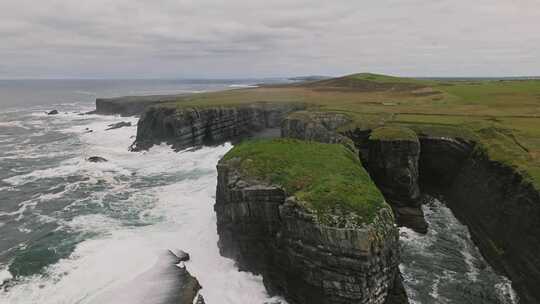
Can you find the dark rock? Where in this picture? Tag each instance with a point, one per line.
(191, 127)
(129, 105)
(397, 295)
(53, 112)
(315, 126)
(500, 207)
(119, 125)
(96, 159)
(181, 255)
(200, 300)
(393, 165)
(306, 262)
(189, 287)
(163, 283)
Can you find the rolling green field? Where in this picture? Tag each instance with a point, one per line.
(503, 116)
(331, 180)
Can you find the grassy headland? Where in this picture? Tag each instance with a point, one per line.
(503, 116)
(326, 177)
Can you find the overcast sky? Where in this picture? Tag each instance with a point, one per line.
(253, 38)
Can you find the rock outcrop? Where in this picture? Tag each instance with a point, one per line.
(97, 159)
(315, 126)
(500, 207)
(129, 105)
(118, 125)
(189, 127)
(393, 164)
(274, 235)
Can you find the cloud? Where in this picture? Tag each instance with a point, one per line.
(238, 38)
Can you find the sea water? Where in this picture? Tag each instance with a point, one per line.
(72, 231)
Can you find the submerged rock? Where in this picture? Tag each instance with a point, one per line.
(53, 112)
(96, 159)
(119, 125)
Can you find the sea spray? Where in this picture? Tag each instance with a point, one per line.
(127, 211)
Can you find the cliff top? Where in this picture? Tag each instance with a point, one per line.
(502, 115)
(326, 177)
(393, 133)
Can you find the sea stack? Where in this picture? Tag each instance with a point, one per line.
(316, 228)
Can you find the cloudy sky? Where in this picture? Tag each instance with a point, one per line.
(262, 38)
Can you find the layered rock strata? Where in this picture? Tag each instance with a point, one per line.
(187, 127)
(274, 235)
(500, 207)
(393, 164)
(315, 126)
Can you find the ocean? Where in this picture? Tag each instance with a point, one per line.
(72, 231)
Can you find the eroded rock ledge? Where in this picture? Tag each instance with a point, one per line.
(187, 127)
(273, 234)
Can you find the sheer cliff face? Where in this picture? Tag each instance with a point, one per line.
(307, 262)
(501, 209)
(197, 126)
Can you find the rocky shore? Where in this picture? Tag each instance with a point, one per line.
(501, 208)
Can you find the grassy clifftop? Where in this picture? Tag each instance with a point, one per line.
(502, 115)
(328, 178)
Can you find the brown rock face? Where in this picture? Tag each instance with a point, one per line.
(299, 258)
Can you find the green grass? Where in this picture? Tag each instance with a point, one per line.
(393, 133)
(328, 178)
(502, 116)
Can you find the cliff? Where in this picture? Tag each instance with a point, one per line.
(315, 238)
(129, 105)
(390, 155)
(186, 127)
(500, 207)
(393, 164)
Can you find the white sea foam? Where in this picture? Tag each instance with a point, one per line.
(105, 265)
(243, 86)
(4, 275)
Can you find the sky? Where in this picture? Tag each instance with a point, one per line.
(270, 38)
